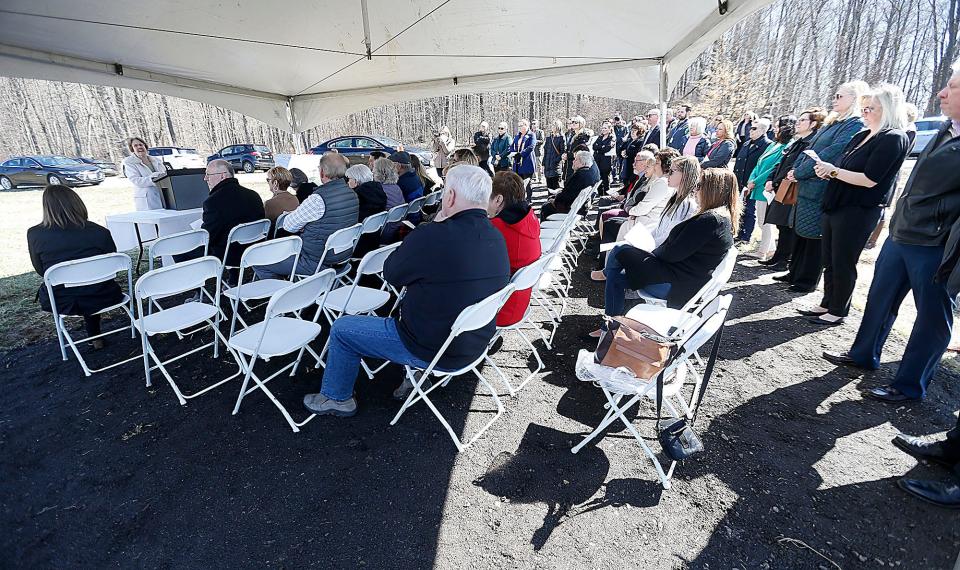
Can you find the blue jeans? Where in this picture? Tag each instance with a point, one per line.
(899, 269)
(615, 287)
(354, 336)
(281, 269)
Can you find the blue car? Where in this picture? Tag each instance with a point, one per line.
(246, 157)
(357, 148)
(40, 170)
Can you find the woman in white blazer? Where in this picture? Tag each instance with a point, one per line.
(143, 171)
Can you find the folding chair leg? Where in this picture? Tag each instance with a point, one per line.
(262, 385)
(58, 324)
(608, 419)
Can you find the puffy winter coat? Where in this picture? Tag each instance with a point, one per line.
(521, 231)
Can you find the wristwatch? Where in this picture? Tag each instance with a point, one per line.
(834, 173)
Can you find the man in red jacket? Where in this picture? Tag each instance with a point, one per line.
(512, 215)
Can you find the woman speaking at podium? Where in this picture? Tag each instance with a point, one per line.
(143, 171)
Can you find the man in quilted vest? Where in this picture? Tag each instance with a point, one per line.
(331, 207)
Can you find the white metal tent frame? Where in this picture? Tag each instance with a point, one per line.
(25, 51)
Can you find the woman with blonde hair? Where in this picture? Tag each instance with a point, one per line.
(697, 144)
(278, 180)
(143, 171)
(683, 178)
(860, 181)
(723, 148)
(829, 143)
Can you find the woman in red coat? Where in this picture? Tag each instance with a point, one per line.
(513, 216)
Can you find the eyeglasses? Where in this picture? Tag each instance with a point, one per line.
(212, 174)
(838, 96)
(501, 128)
(869, 109)
(754, 128)
(676, 171)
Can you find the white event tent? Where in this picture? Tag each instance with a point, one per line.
(295, 63)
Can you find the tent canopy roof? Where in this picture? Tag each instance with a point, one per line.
(297, 63)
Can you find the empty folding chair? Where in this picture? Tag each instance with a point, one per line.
(179, 243)
(165, 282)
(244, 235)
(88, 271)
(525, 278)
(340, 242)
(258, 255)
(672, 376)
(433, 198)
(354, 299)
(471, 318)
(279, 335)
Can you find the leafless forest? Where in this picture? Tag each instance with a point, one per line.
(789, 56)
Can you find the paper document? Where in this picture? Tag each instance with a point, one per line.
(638, 236)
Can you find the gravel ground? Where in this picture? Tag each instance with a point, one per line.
(799, 471)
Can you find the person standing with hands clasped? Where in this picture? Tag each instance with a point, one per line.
(860, 182)
(500, 149)
(143, 171)
(521, 151)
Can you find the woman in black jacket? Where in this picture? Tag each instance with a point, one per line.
(553, 151)
(65, 235)
(683, 263)
(860, 184)
(373, 200)
(630, 150)
(603, 148)
(781, 214)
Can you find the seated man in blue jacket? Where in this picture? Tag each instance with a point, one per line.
(446, 266)
(585, 174)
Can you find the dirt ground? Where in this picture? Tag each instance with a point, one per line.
(798, 471)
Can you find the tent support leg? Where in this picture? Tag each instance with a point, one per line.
(663, 104)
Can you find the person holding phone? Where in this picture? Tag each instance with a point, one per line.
(859, 185)
(829, 144)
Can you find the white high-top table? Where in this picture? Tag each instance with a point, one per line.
(136, 229)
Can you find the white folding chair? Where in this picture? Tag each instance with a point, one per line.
(433, 198)
(662, 318)
(356, 300)
(708, 326)
(258, 255)
(172, 280)
(245, 234)
(474, 317)
(416, 206)
(279, 335)
(179, 243)
(88, 271)
(525, 278)
(395, 215)
(339, 242)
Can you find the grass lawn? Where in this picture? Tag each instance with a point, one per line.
(21, 320)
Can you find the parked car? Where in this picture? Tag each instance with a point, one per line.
(108, 168)
(177, 157)
(248, 157)
(357, 148)
(40, 170)
(927, 128)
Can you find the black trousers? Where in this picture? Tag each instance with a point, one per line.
(92, 324)
(604, 178)
(553, 182)
(611, 228)
(805, 263)
(952, 445)
(784, 245)
(845, 233)
(547, 210)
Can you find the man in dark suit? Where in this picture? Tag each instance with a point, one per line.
(921, 255)
(742, 168)
(585, 175)
(653, 128)
(680, 132)
(228, 205)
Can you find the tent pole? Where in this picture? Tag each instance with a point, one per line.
(295, 135)
(662, 81)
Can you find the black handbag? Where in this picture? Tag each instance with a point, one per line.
(779, 214)
(676, 435)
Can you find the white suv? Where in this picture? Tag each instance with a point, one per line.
(176, 158)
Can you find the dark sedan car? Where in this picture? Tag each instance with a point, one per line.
(108, 168)
(43, 170)
(357, 148)
(248, 157)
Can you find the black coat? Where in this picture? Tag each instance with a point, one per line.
(229, 205)
(601, 147)
(576, 183)
(631, 149)
(652, 137)
(685, 260)
(373, 199)
(305, 190)
(553, 151)
(447, 266)
(50, 246)
(930, 203)
(789, 157)
(747, 159)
